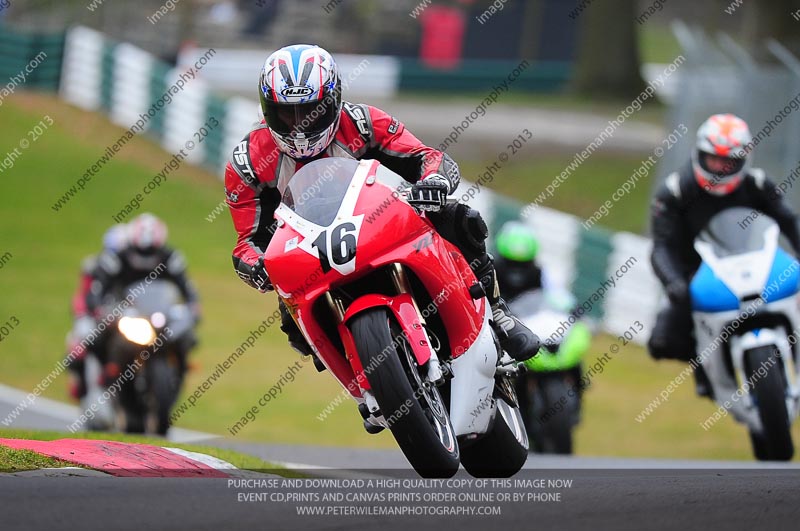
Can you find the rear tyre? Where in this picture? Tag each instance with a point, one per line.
(418, 417)
(502, 452)
(769, 394)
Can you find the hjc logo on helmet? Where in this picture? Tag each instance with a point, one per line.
(296, 91)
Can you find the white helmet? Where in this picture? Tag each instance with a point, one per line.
(301, 98)
(724, 136)
(116, 237)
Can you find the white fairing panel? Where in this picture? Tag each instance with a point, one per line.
(745, 274)
(471, 403)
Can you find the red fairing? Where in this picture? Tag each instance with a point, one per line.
(395, 234)
(402, 306)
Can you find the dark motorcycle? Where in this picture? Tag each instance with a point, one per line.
(146, 357)
(549, 392)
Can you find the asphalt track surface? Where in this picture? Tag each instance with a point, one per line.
(599, 499)
(554, 129)
(605, 493)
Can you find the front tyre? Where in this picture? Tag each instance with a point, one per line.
(165, 382)
(417, 415)
(769, 393)
(759, 443)
(555, 411)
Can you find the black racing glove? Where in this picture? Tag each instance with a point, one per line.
(678, 291)
(256, 275)
(429, 194)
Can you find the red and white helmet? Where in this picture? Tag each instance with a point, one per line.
(301, 98)
(722, 136)
(147, 233)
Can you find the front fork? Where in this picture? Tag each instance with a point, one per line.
(435, 375)
(410, 318)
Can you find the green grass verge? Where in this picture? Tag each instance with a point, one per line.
(583, 193)
(14, 459)
(47, 248)
(625, 385)
(19, 460)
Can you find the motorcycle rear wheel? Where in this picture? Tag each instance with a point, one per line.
(499, 453)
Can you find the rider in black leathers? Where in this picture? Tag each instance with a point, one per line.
(718, 178)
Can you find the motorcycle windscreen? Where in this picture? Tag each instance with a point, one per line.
(316, 190)
(737, 231)
(158, 296)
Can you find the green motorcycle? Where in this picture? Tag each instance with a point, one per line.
(549, 391)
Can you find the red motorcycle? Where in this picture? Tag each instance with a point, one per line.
(395, 313)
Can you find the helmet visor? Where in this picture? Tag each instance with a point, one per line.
(309, 118)
(721, 166)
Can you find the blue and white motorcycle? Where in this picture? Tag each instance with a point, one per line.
(745, 308)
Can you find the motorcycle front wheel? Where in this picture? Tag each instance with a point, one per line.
(417, 415)
(554, 413)
(165, 383)
(775, 441)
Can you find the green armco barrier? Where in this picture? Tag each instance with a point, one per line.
(591, 253)
(575, 344)
(482, 75)
(107, 77)
(591, 266)
(216, 154)
(503, 209)
(158, 86)
(18, 50)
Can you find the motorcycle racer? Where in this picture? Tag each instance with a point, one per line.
(146, 252)
(718, 177)
(304, 119)
(146, 255)
(516, 265)
(114, 240)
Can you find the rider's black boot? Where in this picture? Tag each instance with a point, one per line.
(296, 338)
(515, 338)
(701, 384)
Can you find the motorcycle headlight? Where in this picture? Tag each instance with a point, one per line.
(137, 330)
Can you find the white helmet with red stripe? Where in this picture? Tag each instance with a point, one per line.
(301, 98)
(720, 158)
(147, 233)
